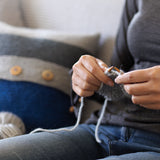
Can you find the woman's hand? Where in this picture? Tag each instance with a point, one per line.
(143, 85)
(88, 73)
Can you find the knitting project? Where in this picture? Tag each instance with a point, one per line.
(114, 93)
(109, 93)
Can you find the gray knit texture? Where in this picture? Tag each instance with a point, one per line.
(113, 93)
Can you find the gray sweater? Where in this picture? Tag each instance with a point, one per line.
(137, 47)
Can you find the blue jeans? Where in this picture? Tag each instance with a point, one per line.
(117, 143)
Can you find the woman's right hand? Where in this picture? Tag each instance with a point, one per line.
(88, 73)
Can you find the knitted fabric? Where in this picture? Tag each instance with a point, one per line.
(10, 125)
(117, 91)
(114, 93)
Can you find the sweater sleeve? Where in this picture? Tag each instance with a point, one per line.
(122, 57)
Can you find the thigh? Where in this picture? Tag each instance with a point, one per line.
(78, 144)
(136, 156)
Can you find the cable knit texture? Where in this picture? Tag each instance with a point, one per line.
(10, 125)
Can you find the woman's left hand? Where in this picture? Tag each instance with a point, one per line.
(143, 85)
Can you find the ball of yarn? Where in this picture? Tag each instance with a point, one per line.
(10, 125)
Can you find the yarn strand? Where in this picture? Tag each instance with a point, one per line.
(100, 119)
(64, 129)
(78, 121)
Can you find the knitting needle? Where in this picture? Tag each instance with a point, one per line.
(109, 69)
(117, 69)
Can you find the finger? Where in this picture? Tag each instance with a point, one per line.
(93, 67)
(138, 89)
(136, 76)
(84, 84)
(81, 92)
(82, 72)
(146, 99)
(81, 80)
(151, 106)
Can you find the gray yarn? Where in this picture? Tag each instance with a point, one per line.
(100, 119)
(110, 93)
(77, 123)
(63, 129)
(113, 93)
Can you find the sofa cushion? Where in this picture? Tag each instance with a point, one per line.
(34, 73)
(11, 12)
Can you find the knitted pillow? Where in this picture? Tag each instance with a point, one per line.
(34, 74)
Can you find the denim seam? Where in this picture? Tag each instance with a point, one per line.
(131, 134)
(124, 134)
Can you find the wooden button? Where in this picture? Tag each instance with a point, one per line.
(16, 70)
(47, 75)
(71, 109)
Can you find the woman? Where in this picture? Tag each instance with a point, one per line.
(131, 127)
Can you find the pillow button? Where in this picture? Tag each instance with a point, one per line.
(47, 75)
(71, 109)
(16, 70)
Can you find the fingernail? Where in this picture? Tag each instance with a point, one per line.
(117, 80)
(102, 65)
(110, 83)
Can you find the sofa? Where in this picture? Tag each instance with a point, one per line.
(81, 16)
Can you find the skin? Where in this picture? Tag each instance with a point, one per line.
(88, 73)
(143, 85)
